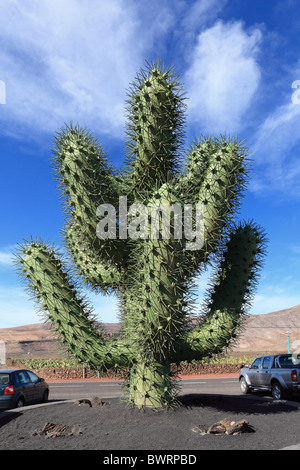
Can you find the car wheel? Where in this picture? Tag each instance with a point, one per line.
(244, 386)
(45, 396)
(20, 403)
(277, 391)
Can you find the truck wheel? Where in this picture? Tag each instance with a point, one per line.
(244, 386)
(277, 391)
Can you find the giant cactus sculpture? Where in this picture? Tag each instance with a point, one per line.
(152, 277)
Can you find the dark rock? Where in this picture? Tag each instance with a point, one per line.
(96, 401)
(57, 429)
(225, 426)
(226, 423)
(240, 427)
(216, 428)
(83, 402)
(202, 429)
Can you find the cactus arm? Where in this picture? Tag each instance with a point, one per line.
(86, 181)
(154, 127)
(215, 178)
(230, 293)
(84, 177)
(98, 274)
(46, 277)
(220, 192)
(198, 159)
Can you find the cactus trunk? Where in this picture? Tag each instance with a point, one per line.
(150, 385)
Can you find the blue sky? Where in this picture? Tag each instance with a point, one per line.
(72, 60)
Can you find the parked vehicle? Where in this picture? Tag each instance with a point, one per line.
(19, 387)
(278, 373)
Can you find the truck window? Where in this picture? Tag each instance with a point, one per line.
(266, 362)
(256, 363)
(288, 361)
(276, 364)
(284, 362)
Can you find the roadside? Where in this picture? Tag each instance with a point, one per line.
(115, 426)
(68, 372)
(105, 379)
(118, 427)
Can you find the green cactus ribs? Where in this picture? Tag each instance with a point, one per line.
(231, 289)
(155, 127)
(150, 270)
(67, 309)
(151, 386)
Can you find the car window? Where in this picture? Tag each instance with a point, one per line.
(33, 377)
(266, 363)
(21, 377)
(4, 379)
(256, 363)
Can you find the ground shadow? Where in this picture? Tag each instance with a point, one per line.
(237, 404)
(7, 416)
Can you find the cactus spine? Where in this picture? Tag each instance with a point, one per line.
(152, 277)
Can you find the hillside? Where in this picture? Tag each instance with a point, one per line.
(262, 334)
(268, 332)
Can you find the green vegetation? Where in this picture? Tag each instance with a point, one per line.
(43, 363)
(61, 363)
(224, 360)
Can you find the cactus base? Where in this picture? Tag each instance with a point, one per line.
(151, 386)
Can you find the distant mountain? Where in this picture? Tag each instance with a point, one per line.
(268, 332)
(265, 333)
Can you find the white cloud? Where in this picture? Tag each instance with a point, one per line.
(200, 12)
(74, 59)
(5, 259)
(272, 303)
(223, 76)
(66, 60)
(15, 308)
(274, 152)
(6, 256)
(106, 308)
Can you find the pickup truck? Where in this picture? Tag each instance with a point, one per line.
(279, 373)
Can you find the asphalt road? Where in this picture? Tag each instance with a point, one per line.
(113, 389)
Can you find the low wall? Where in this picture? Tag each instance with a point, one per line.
(182, 369)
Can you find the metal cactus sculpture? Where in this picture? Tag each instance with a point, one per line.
(152, 276)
